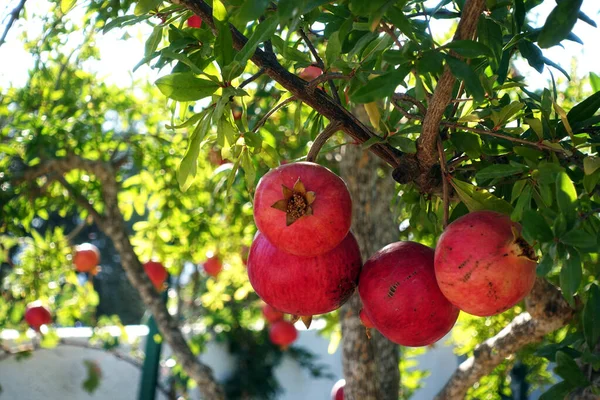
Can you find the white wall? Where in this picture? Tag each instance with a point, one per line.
(58, 374)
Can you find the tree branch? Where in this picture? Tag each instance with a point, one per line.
(317, 99)
(264, 119)
(113, 225)
(252, 78)
(14, 15)
(547, 312)
(426, 144)
(320, 140)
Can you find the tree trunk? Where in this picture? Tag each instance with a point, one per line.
(370, 366)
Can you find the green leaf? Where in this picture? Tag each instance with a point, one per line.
(545, 265)
(153, 41)
(595, 82)
(479, 199)
(559, 23)
(591, 164)
(403, 143)
(464, 72)
(263, 31)
(468, 142)
(591, 317)
(144, 6)
(532, 54)
(490, 34)
(500, 171)
(249, 170)
(67, 5)
(584, 110)
(570, 276)
(535, 227)
(270, 155)
(185, 86)
(401, 22)
(94, 373)
(250, 10)
(469, 48)
(224, 42)
(567, 368)
(566, 195)
(334, 48)
(187, 168)
(381, 86)
(580, 239)
(558, 391)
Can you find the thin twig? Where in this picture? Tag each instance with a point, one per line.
(14, 15)
(79, 199)
(391, 33)
(271, 111)
(325, 77)
(445, 176)
(76, 231)
(409, 99)
(321, 139)
(321, 65)
(252, 78)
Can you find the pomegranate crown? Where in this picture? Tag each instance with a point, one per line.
(296, 202)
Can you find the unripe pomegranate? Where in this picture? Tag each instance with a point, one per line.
(303, 208)
(364, 318)
(304, 285)
(483, 265)
(194, 21)
(157, 274)
(86, 258)
(213, 266)
(401, 297)
(311, 72)
(337, 392)
(36, 316)
(283, 333)
(271, 315)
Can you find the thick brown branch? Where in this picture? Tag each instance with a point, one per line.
(113, 225)
(445, 189)
(426, 145)
(547, 312)
(318, 100)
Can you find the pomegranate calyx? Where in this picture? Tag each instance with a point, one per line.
(525, 249)
(306, 319)
(368, 332)
(296, 202)
(294, 319)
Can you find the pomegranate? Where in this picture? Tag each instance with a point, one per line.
(157, 274)
(337, 392)
(304, 286)
(271, 315)
(36, 316)
(244, 254)
(86, 259)
(303, 208)
(483, 265)
(283, 333)
(364, 318)
(213, 266)
(194, 21)
(401, 297)
(311, 72)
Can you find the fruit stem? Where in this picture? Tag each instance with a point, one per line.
(321, 139)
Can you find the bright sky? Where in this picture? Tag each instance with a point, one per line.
(118, 56)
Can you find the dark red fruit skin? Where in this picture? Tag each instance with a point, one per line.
(478, 264)
(304, 285)
(365, 320)
(310, 235)
(271, 314)
(194, 21)
(157, 273)
(401, 297)
(337, 392)
(87, 257)
(213, 266)
(283, 333)
(37, 316)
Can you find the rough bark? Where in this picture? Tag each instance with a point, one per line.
(370, 366)
(111, 222)
(547, 311)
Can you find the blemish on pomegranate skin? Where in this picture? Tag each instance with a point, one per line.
(461, 265)
(393, 289)
(467, 276)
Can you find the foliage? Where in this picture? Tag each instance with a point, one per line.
(530, 154)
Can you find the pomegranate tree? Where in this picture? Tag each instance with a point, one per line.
(283, 333)
(213, 266)
(86, 258)
(304, 286)
(482, 263)
(401, 297)
(303, 208)
(157, 274)
(36, 316)
(271, 314)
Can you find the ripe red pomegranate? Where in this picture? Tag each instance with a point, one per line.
(303, 208)
(364, 318)
(194, 21)
(213, 266)
(87, 257)
(401, 297)
(483, 265)
(36, 316)
(271, 314)
(283, 333)
(304, 285)
(337, 392)
(311, 72)
(157, 274)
